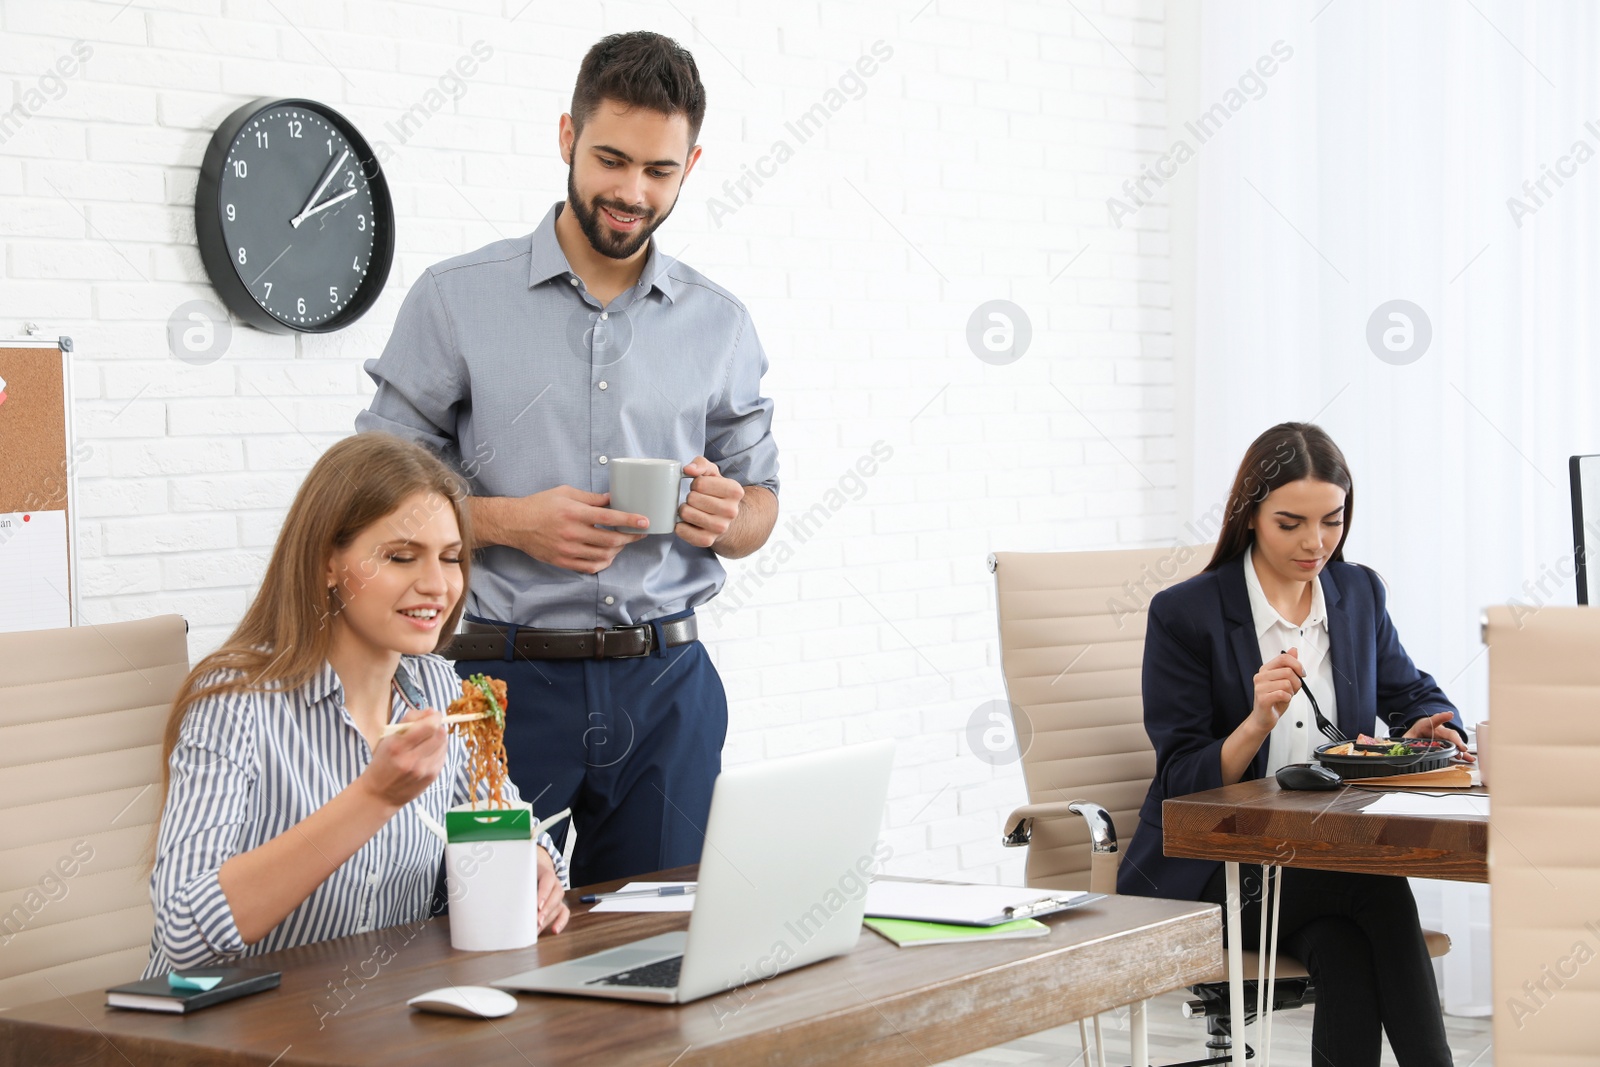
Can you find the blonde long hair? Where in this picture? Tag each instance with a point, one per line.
(286, 633)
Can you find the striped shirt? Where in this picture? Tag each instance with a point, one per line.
(247, 767)
(505, 364)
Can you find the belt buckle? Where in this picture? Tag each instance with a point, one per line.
(649, 633)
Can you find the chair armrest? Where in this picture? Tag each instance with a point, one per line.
(1103, 856)
(1102, 833)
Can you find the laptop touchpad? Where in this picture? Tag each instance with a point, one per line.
(619, 958)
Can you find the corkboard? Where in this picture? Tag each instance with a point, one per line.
(33, 430)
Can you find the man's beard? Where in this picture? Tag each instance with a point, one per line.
(606, 241)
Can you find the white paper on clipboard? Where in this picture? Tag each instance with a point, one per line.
(967, 905)
(33, 557)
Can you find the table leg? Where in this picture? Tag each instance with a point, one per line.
(1141, 1034)
(1273, 878)
(1263, 1012)
(1236, 1006)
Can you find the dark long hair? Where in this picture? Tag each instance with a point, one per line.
(1286, 453)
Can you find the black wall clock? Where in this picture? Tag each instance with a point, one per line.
(293, 217)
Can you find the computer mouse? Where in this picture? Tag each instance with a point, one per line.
(1307, 776)
(473, 1001)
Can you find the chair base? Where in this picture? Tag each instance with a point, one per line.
(1211, 1003)
(1221, 1060)
(1211, 1000)
(1221, 1053)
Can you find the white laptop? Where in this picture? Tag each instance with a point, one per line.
(789, 850)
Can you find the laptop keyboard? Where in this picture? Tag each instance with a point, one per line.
(663, 974)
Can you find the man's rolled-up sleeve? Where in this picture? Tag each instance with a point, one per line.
(422, 380)
(207, 804)
(739, 424)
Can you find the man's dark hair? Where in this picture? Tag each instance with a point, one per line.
(640, 69)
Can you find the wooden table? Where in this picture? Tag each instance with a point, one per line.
(343, 1001)
(1260, 822)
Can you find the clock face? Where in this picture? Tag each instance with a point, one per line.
(299, 235)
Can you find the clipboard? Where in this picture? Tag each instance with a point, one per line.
(968, 905)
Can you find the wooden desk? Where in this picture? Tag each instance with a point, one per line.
(1260, 822)
(343, 1001)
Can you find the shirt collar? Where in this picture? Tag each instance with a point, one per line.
(547, 260)
(406, 679)
(325, 684)
(1265, 615)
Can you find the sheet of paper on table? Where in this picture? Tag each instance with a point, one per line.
(1429, 804)
(683, 902)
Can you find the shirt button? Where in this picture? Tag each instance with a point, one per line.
(604, 461)
(605, 385)
(605, 315)
(573, 280)
(611, 600)
(1299, 726)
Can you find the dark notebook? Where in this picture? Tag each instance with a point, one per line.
(157, 994)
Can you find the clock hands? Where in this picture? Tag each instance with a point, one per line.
(347, 194)
(312, 199)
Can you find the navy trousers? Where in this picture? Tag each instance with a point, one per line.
(631, 745)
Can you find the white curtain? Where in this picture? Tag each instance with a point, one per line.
(1377, 165)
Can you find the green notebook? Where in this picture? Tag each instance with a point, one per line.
(905, 932)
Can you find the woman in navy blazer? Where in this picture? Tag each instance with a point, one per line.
(1213, 703)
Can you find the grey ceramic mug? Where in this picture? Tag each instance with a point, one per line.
(647, 487)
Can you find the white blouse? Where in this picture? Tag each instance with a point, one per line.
(1296, 734)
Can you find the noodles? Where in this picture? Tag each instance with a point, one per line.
(485, 738)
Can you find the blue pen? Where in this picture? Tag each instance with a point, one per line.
(664, 891)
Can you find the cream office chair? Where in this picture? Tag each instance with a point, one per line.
(1072, 630)
(1544, 832)
(1071, 648)
(82, 712)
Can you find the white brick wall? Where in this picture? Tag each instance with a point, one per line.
(974, 166)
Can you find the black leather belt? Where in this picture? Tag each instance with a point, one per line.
(485, 641)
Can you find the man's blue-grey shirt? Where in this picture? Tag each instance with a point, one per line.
(502, 363)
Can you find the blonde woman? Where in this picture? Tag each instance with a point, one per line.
(289, 817)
